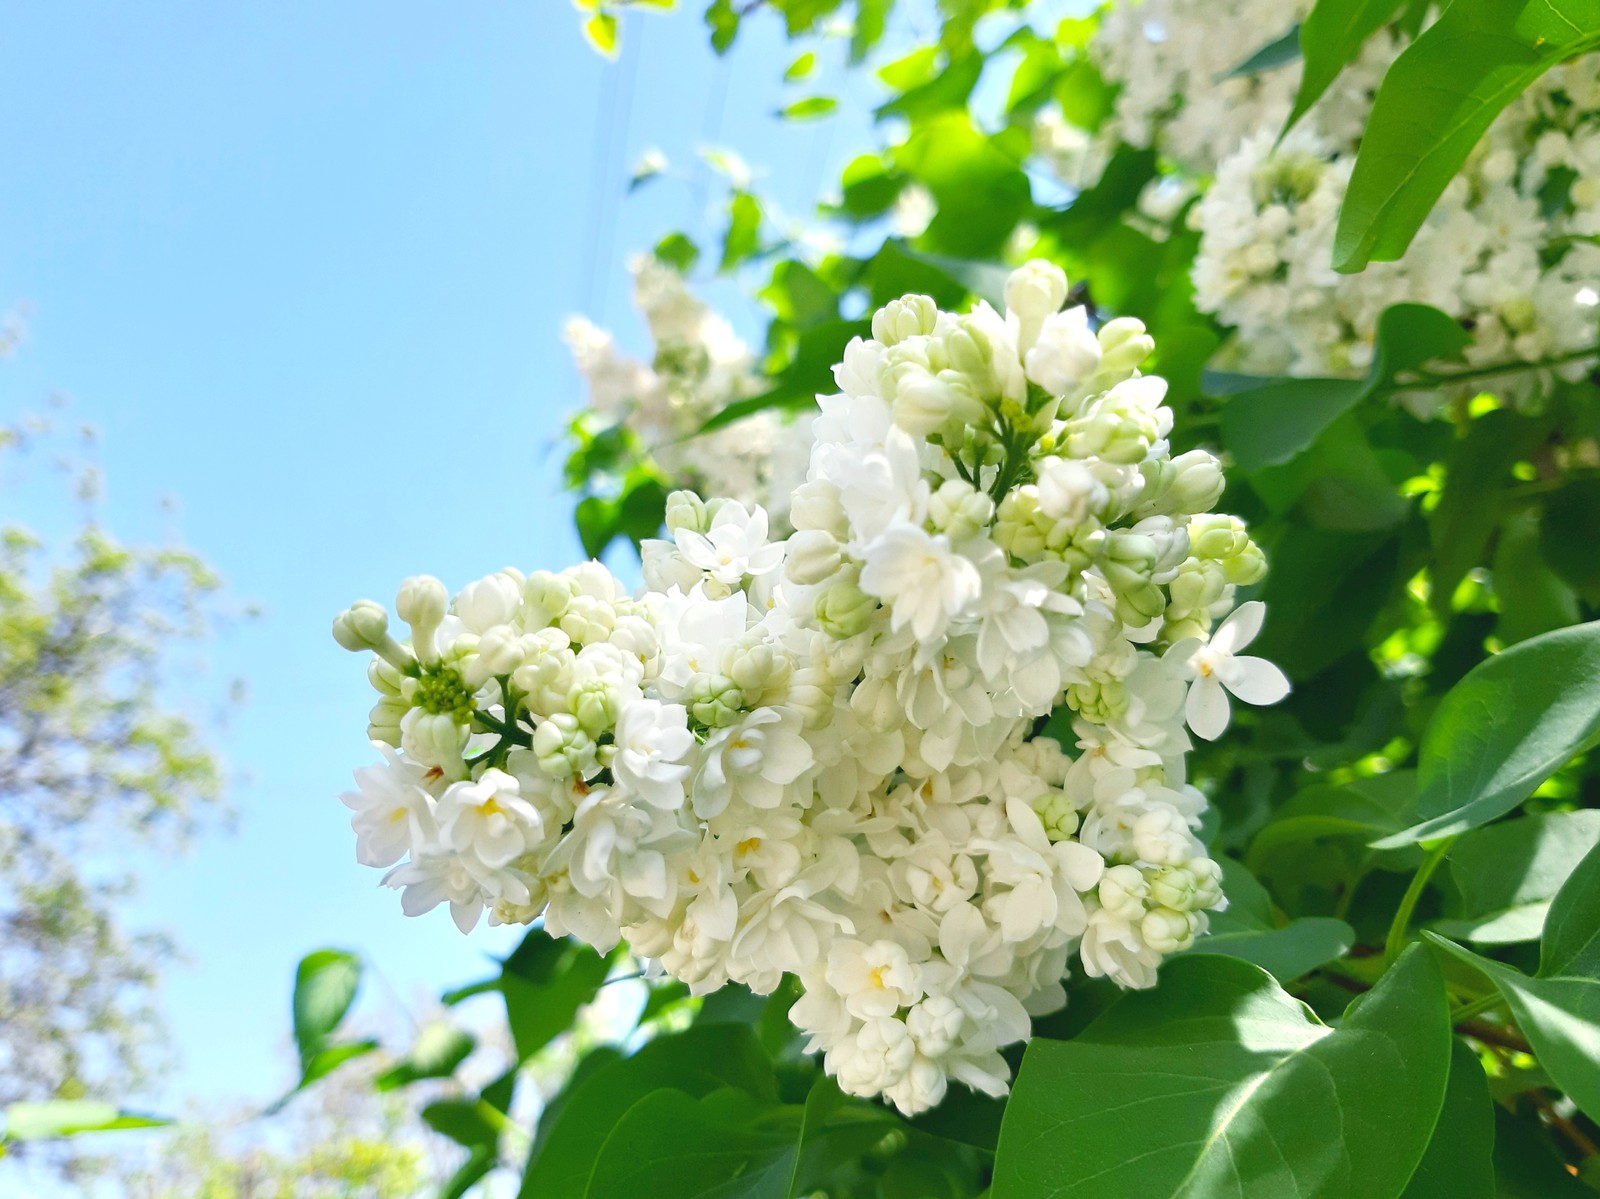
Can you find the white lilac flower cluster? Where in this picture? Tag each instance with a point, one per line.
(697, 368)
(1508, 251)
(822, 756)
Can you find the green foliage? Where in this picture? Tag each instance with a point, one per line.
(1437, 100)
(1504, 729)
(1330, 38)
(1242, 1082)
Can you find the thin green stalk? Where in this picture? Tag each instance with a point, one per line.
(1396, 941)
(1477, 1007)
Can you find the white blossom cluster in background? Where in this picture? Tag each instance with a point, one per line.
(697, 368)
(1504, 251)
(821, 756)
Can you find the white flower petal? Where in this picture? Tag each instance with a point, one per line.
(1207, 708)
(1257, 681)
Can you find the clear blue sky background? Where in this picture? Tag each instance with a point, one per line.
(305, 265)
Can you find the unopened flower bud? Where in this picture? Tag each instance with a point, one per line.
(1034, 291)
(960, 510)
(1123, 891)
(909, 316)
(490, 601)
(562, 747)
(1167, 931)
(1124, 345)
(715, 700)
(686, 510)
(1066, 353)
(845, 610)
(813, 556)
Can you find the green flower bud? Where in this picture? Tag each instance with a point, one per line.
(715, 701)
(686, 510)
(845, 610)
(898, 320)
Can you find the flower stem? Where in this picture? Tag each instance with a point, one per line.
(1396, 941)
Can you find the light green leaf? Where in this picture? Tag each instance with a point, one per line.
(801, 67)
(1437, 100)
(600, 31)
(722, 19)
(440, 1048)
(980, 188)
(1459, 1162)
(1331, 38)
(1219, 1085)
(68, 1117)
(325, 985)
(1249, 929)
(1505, 728)
(810, 109)
(742, 239)
(1508, 873)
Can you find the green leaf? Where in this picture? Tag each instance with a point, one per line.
(809, 109)
(742, 239)
(980, 189)
(1505, 728)
(325, 985)
(468, 1122)
(330, 1057)
(600, 31)
(1331, 38)
(801, 67)
(810, 372)
(722, 19)
(1437, 100)
(1508, 873)
(1367, 808)
(1250, 929)
(68, 1117)
(672, 1146)
(1571, 942)
(678, 251)
(1477, 472)
(1459, 1160)
(1568, 532)
(1279, 52)
(545, 982)
(798, 295)
(440, 1048)
(872, 17)
(1559, 1016)
(1274, 424)
(697, 1061)
(478, 1164)
(1219, 1085)
(1527, 1165)
(1531, 598)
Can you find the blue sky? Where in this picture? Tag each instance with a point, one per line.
(305, 264)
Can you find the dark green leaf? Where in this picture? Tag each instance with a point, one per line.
(1251, 930)
(1459, 1163)
(1508, 873)
(1531, 598)
(1331, 38)
(1435, 103)
(325, 985)
(1568, 534)
(697, 1061)
(1219, 1084)
(545, 982)
(1559, 1016)
(1527, 1165)
(1366, 808)
(1274, 424)
(1571, 943)
(1279, 52)
(872, 16)
(1504, 729)
(469, 1122)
